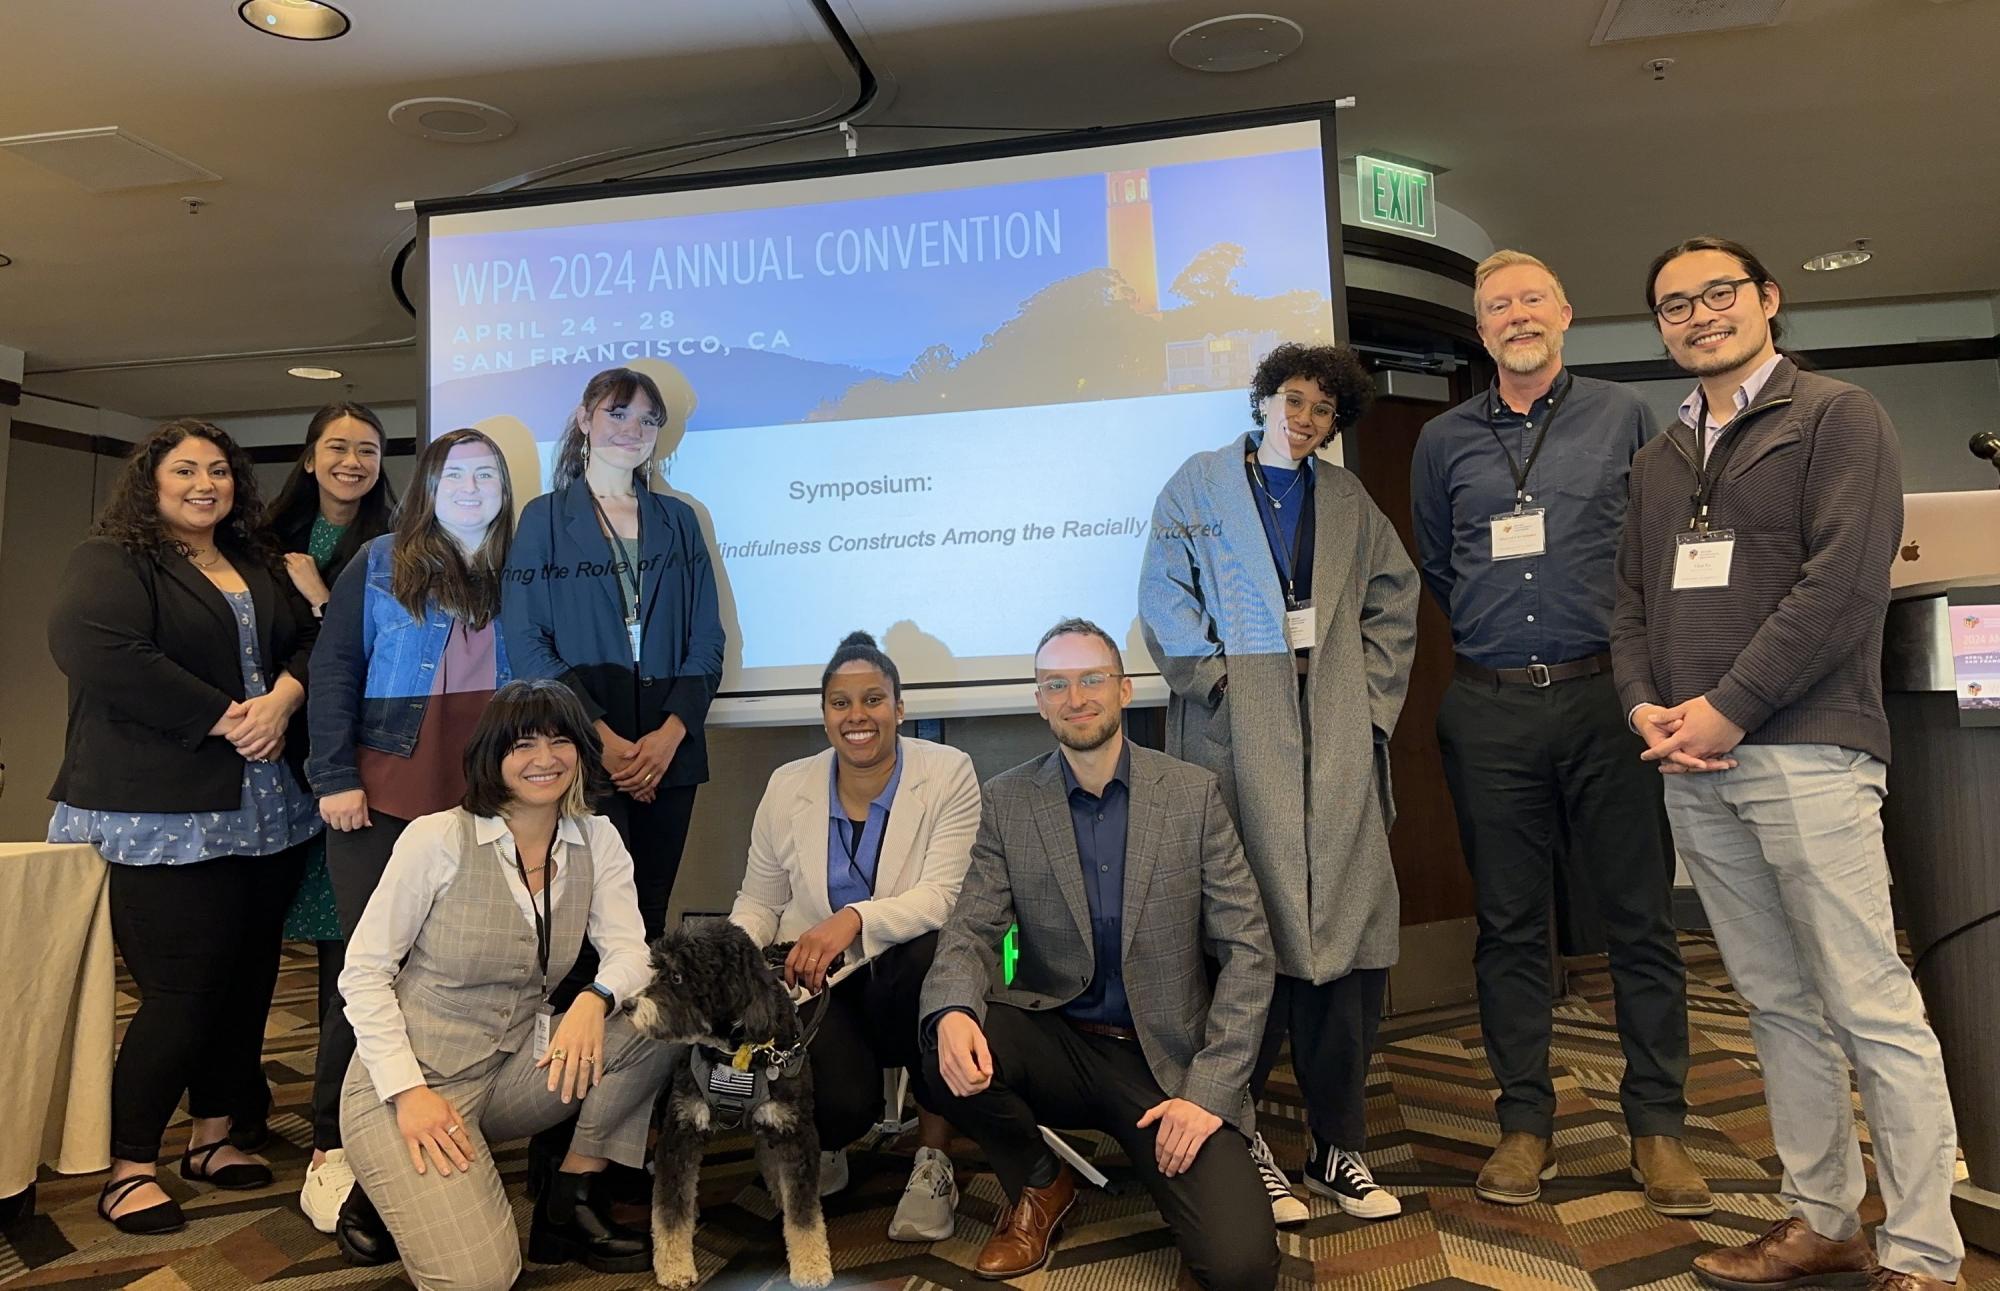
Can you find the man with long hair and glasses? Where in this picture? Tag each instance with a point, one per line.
(1121, 867)
(1753, 581)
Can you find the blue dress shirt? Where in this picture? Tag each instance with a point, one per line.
(1099, 821)
(1551, 608)
(851, 860)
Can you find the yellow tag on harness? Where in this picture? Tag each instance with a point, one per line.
(741, 1059)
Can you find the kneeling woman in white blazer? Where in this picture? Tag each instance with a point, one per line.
(859, 851)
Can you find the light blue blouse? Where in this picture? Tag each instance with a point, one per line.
(275, 814)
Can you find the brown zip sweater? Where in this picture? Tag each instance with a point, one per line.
(1791, 649)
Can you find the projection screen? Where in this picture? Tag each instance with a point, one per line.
(932, 395)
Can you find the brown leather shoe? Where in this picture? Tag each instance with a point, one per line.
(1897, 1280)
(1791, 1254)
(1020, 1242)
(1514, 1173)
(1673, 1185)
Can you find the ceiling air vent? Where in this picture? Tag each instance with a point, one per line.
(1647, 19)
(106, 159)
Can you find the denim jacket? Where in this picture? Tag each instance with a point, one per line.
(380, 665)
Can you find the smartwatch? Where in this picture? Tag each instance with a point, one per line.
(604, 993)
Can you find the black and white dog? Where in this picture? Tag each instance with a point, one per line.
(715, 991)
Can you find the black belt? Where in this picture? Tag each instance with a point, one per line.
(1104, 1029)
(1538, 675)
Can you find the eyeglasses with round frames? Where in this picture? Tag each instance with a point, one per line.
(1294, 402)
(1090, 683)
(1718, 296)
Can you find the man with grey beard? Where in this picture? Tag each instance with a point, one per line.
(1519, 496)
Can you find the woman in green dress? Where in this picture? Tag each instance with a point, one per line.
(335, 499)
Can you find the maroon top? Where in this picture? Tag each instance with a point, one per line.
(432, 778)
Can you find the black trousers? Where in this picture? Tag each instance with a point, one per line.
(1546, 777)
(1045, 1072)
(1333, 1028)
(656, 834)
(202, 944)
(354, 863)
(870, 1026)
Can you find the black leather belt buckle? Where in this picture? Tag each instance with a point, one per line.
(1538, 676)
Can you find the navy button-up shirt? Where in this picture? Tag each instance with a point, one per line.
(1099, 821)
(852, 854)
(1550, 608)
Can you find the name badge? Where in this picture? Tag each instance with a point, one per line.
(1302, 628)
(1518, 533)
(1702, 559)
(542, 1017)
(635, 630)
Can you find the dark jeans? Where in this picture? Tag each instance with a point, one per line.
(655, 833)
(354, 863)
(1540, 777)
(1046, 1072)
(1333, 1028)
(871, 1025)
(202, 944)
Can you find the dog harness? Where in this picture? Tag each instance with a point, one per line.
(735, 1085)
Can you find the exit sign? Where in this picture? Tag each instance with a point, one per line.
(1397, 197)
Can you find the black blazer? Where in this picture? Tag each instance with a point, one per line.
(149, 647)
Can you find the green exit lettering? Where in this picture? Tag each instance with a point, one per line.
(1396, 197)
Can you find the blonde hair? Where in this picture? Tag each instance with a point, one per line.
(1507, 260)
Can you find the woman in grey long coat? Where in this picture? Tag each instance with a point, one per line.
(1282, 609)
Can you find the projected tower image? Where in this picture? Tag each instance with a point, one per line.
(1128, 230)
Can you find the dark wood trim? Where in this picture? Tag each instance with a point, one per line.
(1904, 354)
(10, 394)
(75, 440)
(1393, 248)
(1410, 312)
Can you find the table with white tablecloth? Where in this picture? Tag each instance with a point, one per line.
(58, 1011)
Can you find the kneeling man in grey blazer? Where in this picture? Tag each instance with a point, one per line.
(1119, 865)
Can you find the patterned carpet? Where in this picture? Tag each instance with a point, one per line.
(1430, 1118)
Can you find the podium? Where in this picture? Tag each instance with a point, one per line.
(1941, 824)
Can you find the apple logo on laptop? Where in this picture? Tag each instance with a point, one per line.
(1909, 551)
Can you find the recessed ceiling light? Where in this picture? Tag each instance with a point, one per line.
(1236, 42)
(442, 120)
(316, 374)
(1846, 258)
(294, 19)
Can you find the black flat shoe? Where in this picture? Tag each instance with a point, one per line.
(18, 1207)
(244, 1176)
(166, 1217)
(359, 1232)
(251, 1138)
(571, 1224)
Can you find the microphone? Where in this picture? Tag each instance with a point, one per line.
(1986, 446)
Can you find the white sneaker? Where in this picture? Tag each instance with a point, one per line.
(928, 1211)
(325, 1189)
(1345, 1177)
(1285, 1207)
(832, 1172)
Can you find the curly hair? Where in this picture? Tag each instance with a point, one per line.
(1336, 368)
(132, 517)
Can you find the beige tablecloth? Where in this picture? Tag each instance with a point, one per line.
(58, 1007)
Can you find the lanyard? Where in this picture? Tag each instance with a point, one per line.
(1521, 469)
(1711, 465)
(545, 912)
(1275, 532)
(620, 565)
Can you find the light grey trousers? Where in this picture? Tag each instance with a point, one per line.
(457, 1233)
(1786, 853)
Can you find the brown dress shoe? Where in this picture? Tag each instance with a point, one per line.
(1790, 1255)
(1673, 1185)
(1020, 1242)
(1897, 1280)
(1514, 1173)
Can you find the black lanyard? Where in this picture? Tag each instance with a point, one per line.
(618, 560)
(544, 913)
(1709, 465)
(1521, 469)
(1273, 531)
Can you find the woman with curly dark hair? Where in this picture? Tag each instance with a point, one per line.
(186, 648)
(1282, 609)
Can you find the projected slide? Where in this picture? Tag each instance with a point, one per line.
(1975, 654)
(935, 402)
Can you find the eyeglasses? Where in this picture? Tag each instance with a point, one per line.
(1718, 296)
(1090, 683)
(1294, 402)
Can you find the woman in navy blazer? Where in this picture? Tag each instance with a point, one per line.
(610, 589)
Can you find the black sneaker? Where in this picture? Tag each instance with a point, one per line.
(1285, 1208)
(1344, 1176)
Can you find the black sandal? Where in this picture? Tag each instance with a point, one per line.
(163, 1218)
(244, 1176)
